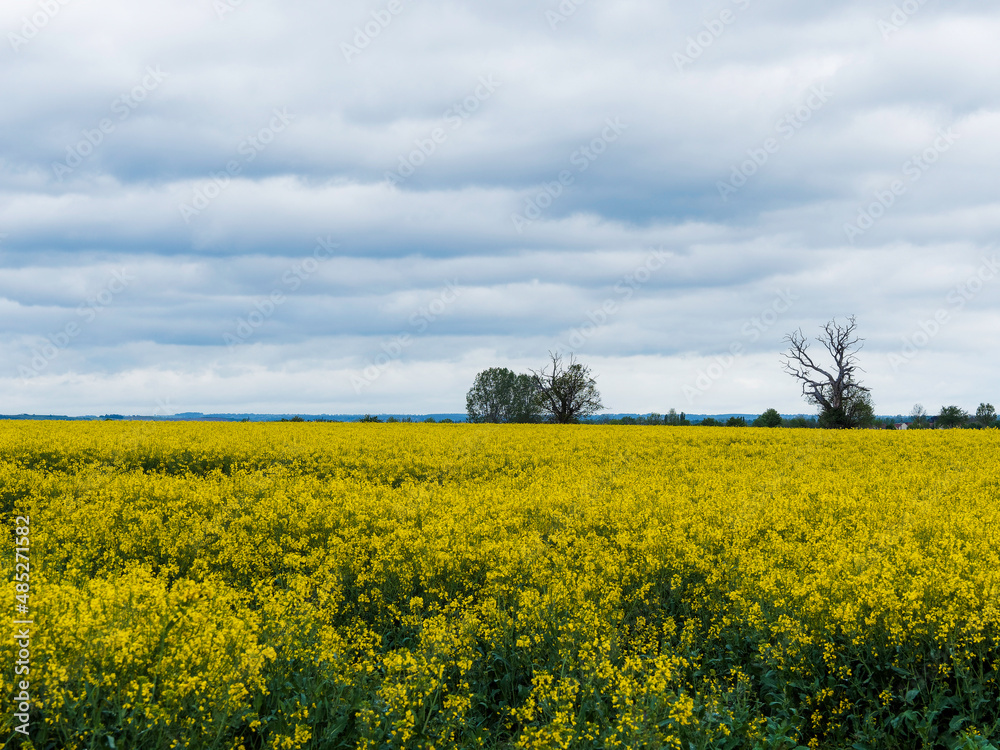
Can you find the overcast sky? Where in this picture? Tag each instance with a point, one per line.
(253, 205)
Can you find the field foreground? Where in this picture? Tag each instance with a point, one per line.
(390, 586)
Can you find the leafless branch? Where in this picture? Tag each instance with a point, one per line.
(827, 388)
(567, 392)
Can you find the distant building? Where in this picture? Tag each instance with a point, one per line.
(902, 426)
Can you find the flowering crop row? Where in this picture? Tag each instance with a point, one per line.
(437, 586)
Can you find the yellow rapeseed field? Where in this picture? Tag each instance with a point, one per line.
(438, 586)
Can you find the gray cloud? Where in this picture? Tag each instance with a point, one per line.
(209, 152)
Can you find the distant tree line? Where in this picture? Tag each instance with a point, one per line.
(672, 418)
(404, 420)
(954, 417)
(565, 392)
(950, 417)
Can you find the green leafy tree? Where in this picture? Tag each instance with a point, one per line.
(857, 411)
(710, 422)
(952, 417)
(986, 416)
(673, 418)
(567, 392)
(736, 422)
(499, 396)
(769, 418)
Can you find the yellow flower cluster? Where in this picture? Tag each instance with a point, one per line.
(437, 586)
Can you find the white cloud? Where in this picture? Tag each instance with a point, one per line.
(477, 158)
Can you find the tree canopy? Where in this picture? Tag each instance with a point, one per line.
(770, 418)
(952, 416)
(986, 415)
(499, 395)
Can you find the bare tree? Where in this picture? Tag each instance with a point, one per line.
(567, 393)
(842, 400)
(919, 414)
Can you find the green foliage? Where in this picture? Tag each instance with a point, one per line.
(952, 417)
(986, 416)
(501, 396)
(675, 419)
(857, 411)
(736, 422)
(770, 418)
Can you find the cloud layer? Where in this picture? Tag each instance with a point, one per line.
(234, 205)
